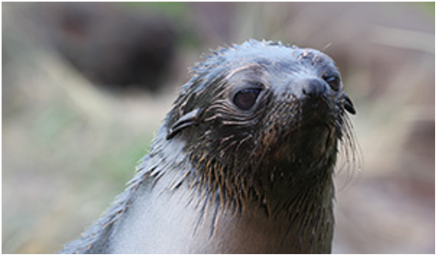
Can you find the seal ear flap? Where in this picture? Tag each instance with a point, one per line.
(189, 119)
(348, 105)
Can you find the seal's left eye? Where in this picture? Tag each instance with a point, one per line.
(333, 81)
(246, 98)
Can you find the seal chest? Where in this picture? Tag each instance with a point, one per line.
(243, 162)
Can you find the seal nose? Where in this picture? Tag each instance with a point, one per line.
(314, 87)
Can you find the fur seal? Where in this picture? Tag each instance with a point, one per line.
(243, 162)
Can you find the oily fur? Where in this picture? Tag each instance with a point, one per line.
(269, 156)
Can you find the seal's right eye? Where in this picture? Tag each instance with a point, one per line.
(245, 99)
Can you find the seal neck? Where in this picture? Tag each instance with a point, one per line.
(278, 190)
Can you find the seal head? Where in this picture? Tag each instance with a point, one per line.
(261, 117)
(243, 162)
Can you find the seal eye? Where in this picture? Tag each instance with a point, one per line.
(333, 81)
(246, 98)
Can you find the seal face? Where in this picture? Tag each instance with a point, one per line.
(249, 147)
(258, 108)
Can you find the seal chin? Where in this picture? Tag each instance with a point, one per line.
(311, 140)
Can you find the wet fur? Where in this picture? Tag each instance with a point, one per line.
(223, 160)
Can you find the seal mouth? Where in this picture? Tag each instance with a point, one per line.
(316, 112)
(316, 119)
(309, 125)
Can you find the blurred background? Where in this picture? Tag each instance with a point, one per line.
(86, 85)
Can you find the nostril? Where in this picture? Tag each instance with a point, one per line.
(314, 88)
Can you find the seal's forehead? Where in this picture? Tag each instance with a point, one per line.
(278, 53)
(265, 57)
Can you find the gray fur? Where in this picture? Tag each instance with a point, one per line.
(221, 180)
